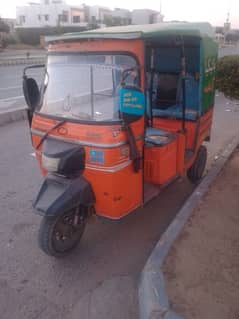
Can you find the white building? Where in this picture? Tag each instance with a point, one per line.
(123, 15)
(146, 16)
(54, 13)
(98, 14)
(50, 13)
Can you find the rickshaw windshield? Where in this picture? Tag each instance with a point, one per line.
(87, 86)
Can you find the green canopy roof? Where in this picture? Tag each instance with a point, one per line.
(200, 29)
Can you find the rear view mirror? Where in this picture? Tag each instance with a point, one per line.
(130, 78)
(31, 91)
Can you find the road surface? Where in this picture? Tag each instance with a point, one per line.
(11, 95)
(100, 279)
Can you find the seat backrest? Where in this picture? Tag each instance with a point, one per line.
(167, 89)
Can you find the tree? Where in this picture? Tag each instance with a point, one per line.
(4, 26)
(228, 75)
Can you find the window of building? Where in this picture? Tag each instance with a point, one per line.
(76, 19)
(39, 17)
(22, 19)
(46, 17)
(63, 17)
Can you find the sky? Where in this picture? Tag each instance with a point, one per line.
(213, 11)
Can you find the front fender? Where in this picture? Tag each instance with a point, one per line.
(59, 194)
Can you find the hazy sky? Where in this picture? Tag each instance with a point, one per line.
(213, 11)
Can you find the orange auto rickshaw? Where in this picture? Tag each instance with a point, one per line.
(121, 113)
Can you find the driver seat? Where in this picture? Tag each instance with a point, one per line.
(168, 90)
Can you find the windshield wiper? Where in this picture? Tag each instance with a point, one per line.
(48, 132)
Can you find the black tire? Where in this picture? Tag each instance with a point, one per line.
(56, 241)
(195, 172)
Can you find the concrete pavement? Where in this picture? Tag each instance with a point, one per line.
(99, 280)
(201, 270)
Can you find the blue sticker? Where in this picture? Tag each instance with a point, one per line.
(132, 102)
(97, 156)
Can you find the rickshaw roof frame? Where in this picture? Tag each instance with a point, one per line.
(148, 31)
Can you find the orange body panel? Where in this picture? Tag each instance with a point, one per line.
(117, 192)
(174, 125)
(196, 133)
(160, 163)
(113, 180)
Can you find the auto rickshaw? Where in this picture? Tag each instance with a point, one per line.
(121, 113)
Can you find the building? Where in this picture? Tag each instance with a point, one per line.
(220, 39)
(146, 16)
(121, 16)
(50, 13)
(57, 13)
(99, 15)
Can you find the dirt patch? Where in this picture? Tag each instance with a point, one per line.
(202, 269)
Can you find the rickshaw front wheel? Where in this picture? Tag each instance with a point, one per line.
(195, 172)
(60, 234)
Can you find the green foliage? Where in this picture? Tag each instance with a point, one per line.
(32, 35)
(3, 26)
(7, 39)
(227, 80)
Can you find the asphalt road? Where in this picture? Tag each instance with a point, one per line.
(100, 279)
(11, 95)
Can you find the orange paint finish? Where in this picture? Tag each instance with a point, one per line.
(113, 180)
(97, 136)
(191, 140)
(160, 163)
(205, 127)
(174, 125)
(113, 191)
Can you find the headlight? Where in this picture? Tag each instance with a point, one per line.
(63, 158)
(50, 164)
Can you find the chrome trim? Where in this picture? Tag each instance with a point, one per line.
(110, 169)
(84, 143)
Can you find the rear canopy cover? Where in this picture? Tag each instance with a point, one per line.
(200, 29)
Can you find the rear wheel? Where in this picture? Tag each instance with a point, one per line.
(60, 234)
(195, 172)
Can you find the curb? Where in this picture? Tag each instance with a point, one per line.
(23, 61)
(152, 296)
(13, 116)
